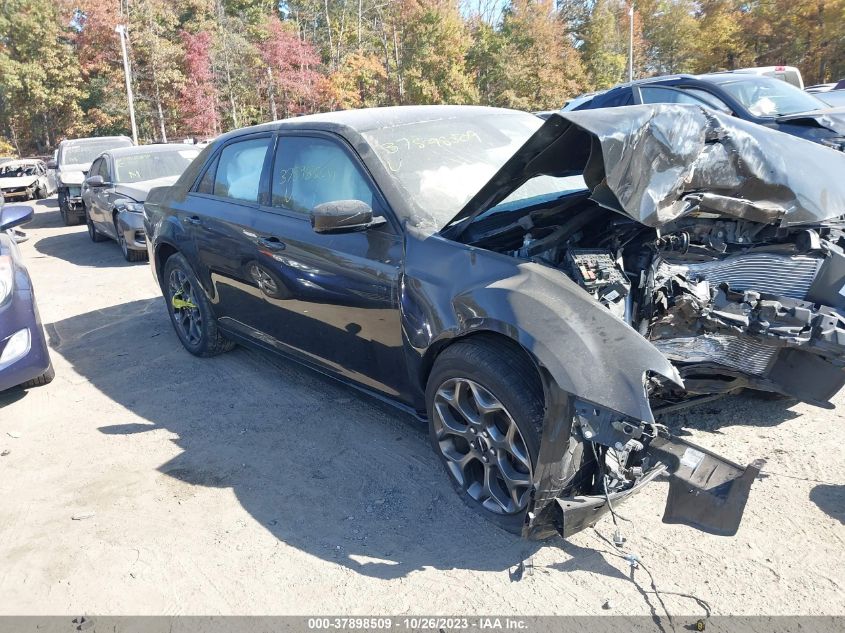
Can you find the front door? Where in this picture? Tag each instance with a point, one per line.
(333, 299)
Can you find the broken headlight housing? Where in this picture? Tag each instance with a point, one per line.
(131, 206)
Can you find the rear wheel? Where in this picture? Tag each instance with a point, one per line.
(69, 218)
(93, 233)
(189, 310)
(485, 411)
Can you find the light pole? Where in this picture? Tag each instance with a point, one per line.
(121, 30)
(631, 43)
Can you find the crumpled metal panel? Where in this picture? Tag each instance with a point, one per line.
(655, 163)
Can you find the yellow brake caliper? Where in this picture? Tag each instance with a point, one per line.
(178, 302)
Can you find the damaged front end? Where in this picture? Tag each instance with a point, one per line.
(721, 243)
(612, 457)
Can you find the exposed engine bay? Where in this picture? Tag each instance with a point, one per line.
(731, 302)
(717, 241)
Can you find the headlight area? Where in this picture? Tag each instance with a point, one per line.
(15, 347)
(617, 455)
(130, 206)
(7, 277)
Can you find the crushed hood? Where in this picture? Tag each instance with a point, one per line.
(832, 119)
(20, 181)
(655, 163)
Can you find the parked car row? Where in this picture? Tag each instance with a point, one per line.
(117, 184)
(536, 290)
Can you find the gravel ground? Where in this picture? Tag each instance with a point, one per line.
(249, 485)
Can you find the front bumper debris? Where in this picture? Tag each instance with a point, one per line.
(706, 491)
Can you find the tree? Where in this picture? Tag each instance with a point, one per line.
(605, 49)
(432, 53)
(198, 97)
(39, 79)
(293, 77)
(538, 67)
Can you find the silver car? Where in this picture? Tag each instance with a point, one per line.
(113, 193)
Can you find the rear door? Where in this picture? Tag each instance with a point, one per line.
(219, 218)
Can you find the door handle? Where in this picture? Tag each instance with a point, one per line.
(272, 243)
(194, 219)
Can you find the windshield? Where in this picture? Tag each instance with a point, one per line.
(152, 165)
(441, 164)
(16, 171)
(766, 97)
(84, 153)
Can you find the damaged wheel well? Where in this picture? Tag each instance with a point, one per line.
(163, 253)
(516, 353)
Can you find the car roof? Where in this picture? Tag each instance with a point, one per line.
(22, 161)
(93, 139)
(367, 119)
(118, 152)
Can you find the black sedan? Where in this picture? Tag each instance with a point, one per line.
(530, 288)
(762, 100)
(114, 191)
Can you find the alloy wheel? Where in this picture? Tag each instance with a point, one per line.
(186, 313)
(121, 239)
(483, 447)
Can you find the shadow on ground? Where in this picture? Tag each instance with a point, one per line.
(78, 249)
(830, 498)
(51, 218)
(747, 408)
(322, 467)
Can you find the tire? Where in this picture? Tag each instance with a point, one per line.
(93, 233)
(200, 337)
(67, 218)
(129, 254)
(43, 379)
(482, 370)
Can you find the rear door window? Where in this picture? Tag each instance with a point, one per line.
(239, 169)
(206, 184)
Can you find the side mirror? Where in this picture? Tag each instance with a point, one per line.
(341, 216)
(52, 164)
(95, 181)
(15, 215)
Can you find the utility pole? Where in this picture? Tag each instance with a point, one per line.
(631, 43)
(121, 30)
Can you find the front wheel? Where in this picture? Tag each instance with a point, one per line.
(129, 254)
(485, 411)
(189, 310)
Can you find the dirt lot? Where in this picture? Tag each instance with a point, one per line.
(245, 484)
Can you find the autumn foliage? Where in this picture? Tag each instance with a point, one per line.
(201, 67)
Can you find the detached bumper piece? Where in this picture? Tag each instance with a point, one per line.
(706, 491)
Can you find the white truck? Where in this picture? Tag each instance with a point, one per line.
(73, 160)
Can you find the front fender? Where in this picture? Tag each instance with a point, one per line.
(451, 289)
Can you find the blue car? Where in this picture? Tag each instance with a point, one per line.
(24, 359)
(770, 102)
